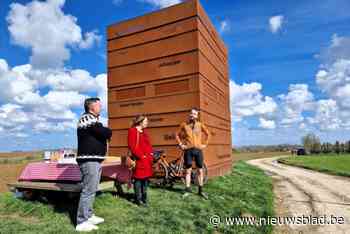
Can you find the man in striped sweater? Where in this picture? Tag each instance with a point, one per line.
(92, 147)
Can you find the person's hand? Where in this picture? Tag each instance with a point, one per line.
(182, 146)
(203, 146)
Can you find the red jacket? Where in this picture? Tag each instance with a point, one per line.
(143, 152)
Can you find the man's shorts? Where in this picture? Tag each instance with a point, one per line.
(189, 154)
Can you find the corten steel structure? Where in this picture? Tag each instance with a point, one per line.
(162, 64)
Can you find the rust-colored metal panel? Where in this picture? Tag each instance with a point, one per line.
(162, 65)
(211, 29)
(162, 32)
(220, 169)
(211, 73)
(155, 88)
(153, 20)
(156, 105)
(158, 49)
(171, 119)
(130, 93)
(166, 136)
(173, 66)
(215, 154)
(165, 32)
(118, 151)
(215, 120)
(217, 50)
(188, 63)
(217, 95)
(175, 45)
(172, 87)
(156, 120)
(211, 56)
(165, 16)
(212, 107)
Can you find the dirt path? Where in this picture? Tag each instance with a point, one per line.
(301, 192)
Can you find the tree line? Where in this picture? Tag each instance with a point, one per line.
(313, 145)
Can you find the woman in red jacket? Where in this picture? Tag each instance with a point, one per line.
(141, 148)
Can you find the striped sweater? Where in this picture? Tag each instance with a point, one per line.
(92, 138)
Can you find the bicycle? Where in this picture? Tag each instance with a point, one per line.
(166, 174)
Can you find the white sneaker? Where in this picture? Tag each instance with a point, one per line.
(86, 227)
(95, 220)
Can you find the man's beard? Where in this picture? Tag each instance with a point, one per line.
(192, 119)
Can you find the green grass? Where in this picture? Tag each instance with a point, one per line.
(247, 190)
(329, 163)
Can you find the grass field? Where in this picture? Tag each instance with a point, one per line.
(330, 163)
(249, 156)
(246, 191)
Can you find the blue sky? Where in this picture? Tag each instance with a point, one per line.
(289, 67)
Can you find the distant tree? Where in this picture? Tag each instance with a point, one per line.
(337, 147)
(324, 148)
(311, 143)
(316, 147)
(307, 142)
(347, 147)
(329, 147)
(342, 148)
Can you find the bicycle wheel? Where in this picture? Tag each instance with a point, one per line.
(161, 175)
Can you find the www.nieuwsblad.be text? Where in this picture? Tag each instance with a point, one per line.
(216, 220)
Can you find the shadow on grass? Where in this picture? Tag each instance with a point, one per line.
(61, 202)
(174, 188)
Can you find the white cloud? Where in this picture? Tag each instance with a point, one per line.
(336, 76)
(247, 100)
(12, 119)
(266, 124)
(339, 49)
(14, 83)
(101, 81)
(333, 78)
(21, 135)
(90, 38)
(224, 26)
(161, 3)
(49, 127)
(43, 27)
(297, 100)
(3, 66)
(276, 23)
(326, 115)
(12, 114)
(23, 103)
(70, 80)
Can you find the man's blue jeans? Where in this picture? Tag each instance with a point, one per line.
(91, 175)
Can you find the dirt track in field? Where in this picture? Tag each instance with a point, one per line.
(9, 173)
(300, 192)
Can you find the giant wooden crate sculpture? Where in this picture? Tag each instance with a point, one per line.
(162, 64)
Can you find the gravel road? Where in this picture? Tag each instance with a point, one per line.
(300, 192)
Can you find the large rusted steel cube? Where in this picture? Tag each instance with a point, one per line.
(163, 64)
